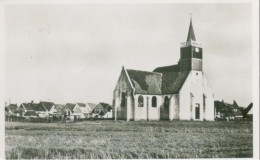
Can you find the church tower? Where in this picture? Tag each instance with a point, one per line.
(190, 53)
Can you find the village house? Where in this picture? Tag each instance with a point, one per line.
(248, 113)
(11, 110)
(39, 109)
(89, 107)
(23, 108)
(61, 111)
(74, 111)
(176, 92)
(49, 108)
(236, 111)
(102, 110)
(228, 111)
(85, 113)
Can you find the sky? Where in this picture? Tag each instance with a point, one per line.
(68, 53)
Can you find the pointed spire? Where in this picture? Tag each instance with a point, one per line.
(191, 35)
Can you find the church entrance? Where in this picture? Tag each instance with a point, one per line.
(197, 111)
(164, 110)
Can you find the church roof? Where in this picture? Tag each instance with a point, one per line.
(145, 82)
(158, 83)
(191, 35)
(173, 81)
(172, 68)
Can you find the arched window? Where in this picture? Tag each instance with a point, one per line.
(166, 102)
(123, 99)
(154, 101)
(140, 101)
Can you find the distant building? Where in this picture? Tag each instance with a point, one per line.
(227, 111)
(11, 109)
(74, 111)
(49, 108)
(102, 110)
(23, 108)
(39, 109)
(176, 92)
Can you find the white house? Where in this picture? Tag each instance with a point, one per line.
(176, 92)
(75, 111)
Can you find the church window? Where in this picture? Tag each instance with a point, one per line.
(140, 101)
(204, 103)
(123, 99)
(197, 111)
(166, 102)
(154, 101)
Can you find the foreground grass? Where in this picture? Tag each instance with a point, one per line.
(118, 139)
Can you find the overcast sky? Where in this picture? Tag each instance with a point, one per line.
(75, 52)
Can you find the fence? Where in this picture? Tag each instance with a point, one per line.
(50, 119)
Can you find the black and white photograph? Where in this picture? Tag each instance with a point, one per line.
(122, 79)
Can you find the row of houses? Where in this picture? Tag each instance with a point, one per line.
(52, 110)
(227, 111)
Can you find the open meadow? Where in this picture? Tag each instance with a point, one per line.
(120, 139)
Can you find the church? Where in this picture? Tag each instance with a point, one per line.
(175, 92)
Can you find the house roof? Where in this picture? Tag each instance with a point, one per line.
(59, 107)
(47, 105)
(172, 68)
(12, 107)
(145, 82)
(81, 104)
(37, 107)
(27, 106)
(70, 106)
(249, 109)
(31, 113)
(91, 105)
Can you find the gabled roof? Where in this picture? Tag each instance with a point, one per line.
(47, 105)
(172, 68)
(91, 105)
(145, 82)
(81, 104)
(37, 107)
(249, 109)
(27, 106)
(71, 106)
(164, 81)
(59, 107)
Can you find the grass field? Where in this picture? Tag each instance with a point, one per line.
(119, 139)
